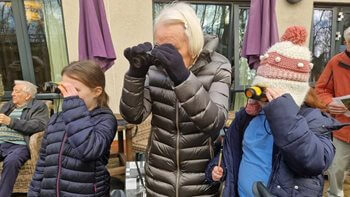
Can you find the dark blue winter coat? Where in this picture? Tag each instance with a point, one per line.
(74, 152)
(302, 149)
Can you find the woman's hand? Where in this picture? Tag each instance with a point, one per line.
(67, 90)
(217, 173)
(172, 61)
(273, 93)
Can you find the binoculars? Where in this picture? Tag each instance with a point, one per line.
(51, 87)
(145, 59)
(256, 93)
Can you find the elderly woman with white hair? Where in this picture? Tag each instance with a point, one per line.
(19, 118)
(185, 84)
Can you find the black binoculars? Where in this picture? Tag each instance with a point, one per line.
(256, 93)
(145, 59)
(51, 87)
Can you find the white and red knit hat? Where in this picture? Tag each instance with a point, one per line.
(287, 65)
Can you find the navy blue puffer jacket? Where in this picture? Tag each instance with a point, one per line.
(302, 150)
(74, 152)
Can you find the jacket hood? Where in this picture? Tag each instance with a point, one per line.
(211, 42)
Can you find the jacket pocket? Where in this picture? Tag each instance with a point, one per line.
(308, 187)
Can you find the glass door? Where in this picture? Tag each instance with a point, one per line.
(343, 23)
(10, 65)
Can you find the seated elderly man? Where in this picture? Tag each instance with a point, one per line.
(19, 118)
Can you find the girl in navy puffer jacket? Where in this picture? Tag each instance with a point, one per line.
(75, 147)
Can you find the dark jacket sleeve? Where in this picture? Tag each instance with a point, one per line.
(35, 185)
(35, 123)
(231, 155)
(305, 152)
(89, 140)
(207, 109)
(214, 162)
(135, 103)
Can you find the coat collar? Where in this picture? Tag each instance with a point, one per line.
(210, 44)
(29, 104)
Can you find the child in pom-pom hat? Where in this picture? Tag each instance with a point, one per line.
(283, 143)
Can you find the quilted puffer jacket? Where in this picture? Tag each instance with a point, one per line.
(74, 152)
(185, 121)
(302, 149)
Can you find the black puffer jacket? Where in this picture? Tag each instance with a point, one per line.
(185, 121)
(74, 152)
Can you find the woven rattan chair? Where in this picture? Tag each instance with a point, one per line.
(26, 172)
(140, 136)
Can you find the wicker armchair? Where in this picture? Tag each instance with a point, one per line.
(26, 172)
(140, 135)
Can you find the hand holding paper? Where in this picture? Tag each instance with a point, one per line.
(340, 105)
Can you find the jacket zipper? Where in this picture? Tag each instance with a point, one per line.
(177, 149)
(274, 169)
(60, 165)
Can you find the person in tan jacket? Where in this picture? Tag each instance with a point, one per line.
(334, 82)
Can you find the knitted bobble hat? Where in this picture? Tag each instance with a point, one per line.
(287, 65)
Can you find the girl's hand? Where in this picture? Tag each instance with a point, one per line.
(67, 90)
(217, 173)
(273, 93)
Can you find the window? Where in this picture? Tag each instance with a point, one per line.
(326, 40)
(222, 19)
(32, 44)
(214, 18)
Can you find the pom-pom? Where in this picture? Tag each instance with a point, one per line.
(295, 34)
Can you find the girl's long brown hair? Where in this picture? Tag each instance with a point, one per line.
(312, 100)
(90, 74)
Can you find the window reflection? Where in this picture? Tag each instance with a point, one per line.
(37, 38)
(245, 74)
(322, 33)
(214, 19)
(10, 67)
(346, 23)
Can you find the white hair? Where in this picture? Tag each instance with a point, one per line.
(175, 13)
(347, 34)
(28, 87)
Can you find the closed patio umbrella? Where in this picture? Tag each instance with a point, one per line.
(95, 40)
(261, 32)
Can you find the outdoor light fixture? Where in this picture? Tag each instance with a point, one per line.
(293, 1)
